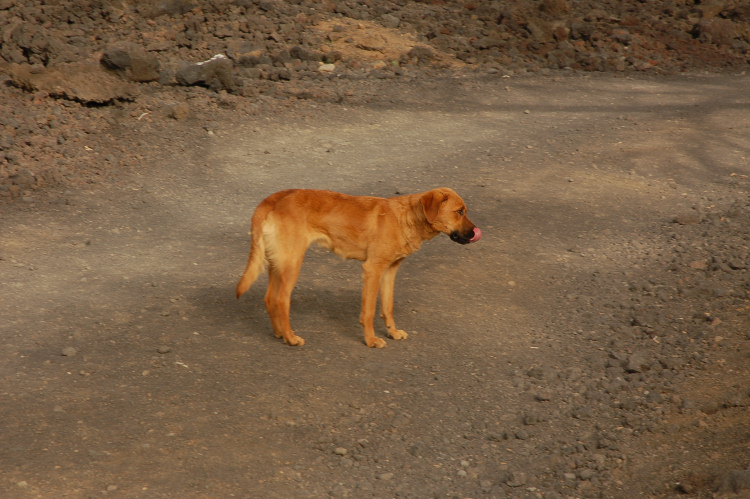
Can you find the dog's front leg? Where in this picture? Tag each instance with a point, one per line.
(371, 275)
(387, 285)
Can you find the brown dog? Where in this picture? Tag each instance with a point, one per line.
(380, 232)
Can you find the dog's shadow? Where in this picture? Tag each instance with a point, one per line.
(328, 295)
(326, 300)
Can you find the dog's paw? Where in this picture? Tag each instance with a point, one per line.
(294, 340)
(376, 343)
(397, 334)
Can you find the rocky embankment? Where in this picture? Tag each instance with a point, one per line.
(62, 61)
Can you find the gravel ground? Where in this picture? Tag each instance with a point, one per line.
(593, 344)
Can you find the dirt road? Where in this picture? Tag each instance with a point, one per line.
(588, 346)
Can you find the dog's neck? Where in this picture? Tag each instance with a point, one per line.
(416, 227)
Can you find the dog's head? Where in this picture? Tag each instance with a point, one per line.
(445, 211)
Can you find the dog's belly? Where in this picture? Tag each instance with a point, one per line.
(341, 247)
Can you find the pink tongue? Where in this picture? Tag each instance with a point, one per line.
(477, 235)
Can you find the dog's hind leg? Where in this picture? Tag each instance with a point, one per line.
(387, 284)
(281, 281)
(271, 300)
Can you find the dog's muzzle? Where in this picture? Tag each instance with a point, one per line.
(470, 237)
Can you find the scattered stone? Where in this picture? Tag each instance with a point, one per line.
(521, 434)
(586, 473)
(131, 61)
(172, 8)
(734, 482)
(539, 372)
(637, 362)
(69, 352)
(390, 21)
(543, 395)
(654, 397)
(177, 111)
(517, 479)
(163, 349)
(685, 488)
(532, 418)
(214, 73)
(339, 491)
(83, 82)
(304, 54)
(688, 219)
(6, 141)
(24, 179)
(497, 437)
(737, 264)
(698, 264)
(582, 412)
(716, 30)
(422, 54)
(372, 42)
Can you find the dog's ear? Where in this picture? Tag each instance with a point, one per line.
(431, 202)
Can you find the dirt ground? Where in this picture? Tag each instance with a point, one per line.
(594, 343)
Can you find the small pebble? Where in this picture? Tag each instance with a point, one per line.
(517, 479)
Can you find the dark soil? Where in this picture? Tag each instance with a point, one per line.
(594, 343)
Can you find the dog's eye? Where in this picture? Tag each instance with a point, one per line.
(461, 212)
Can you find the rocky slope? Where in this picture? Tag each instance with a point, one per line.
(59, 60)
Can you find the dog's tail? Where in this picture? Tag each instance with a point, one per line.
(257, 260)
